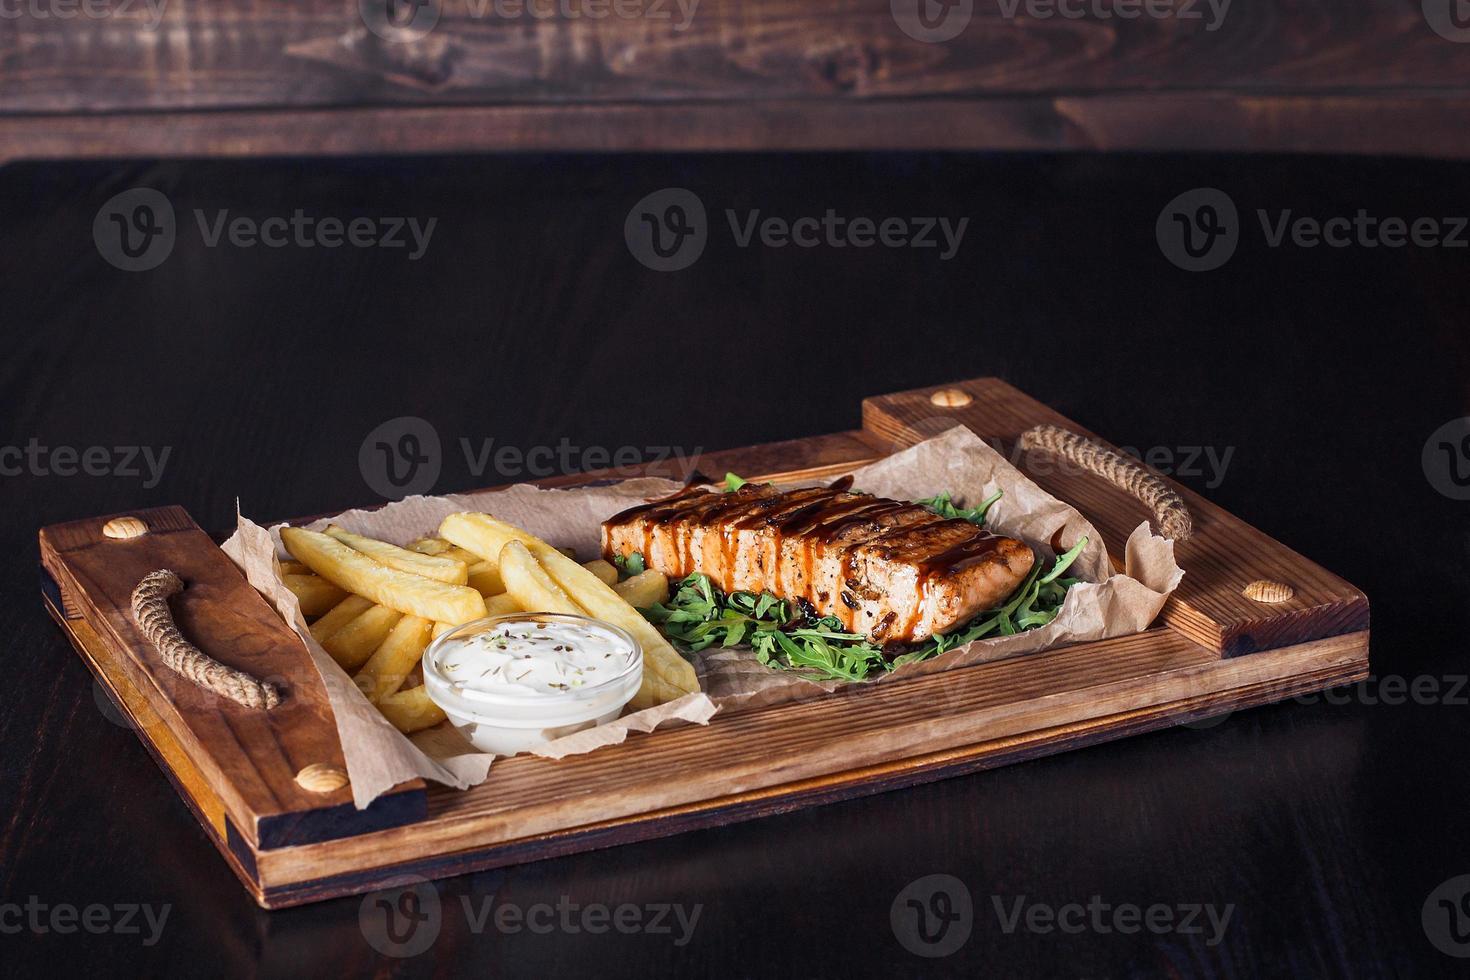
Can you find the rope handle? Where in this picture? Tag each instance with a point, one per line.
(150, 609)
(1169, 510)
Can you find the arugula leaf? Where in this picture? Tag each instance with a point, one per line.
(629, 565)
(942, 504)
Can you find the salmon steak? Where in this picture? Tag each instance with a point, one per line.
(889, 569)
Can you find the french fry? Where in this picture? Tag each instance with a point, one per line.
(410, 594)
(339, 616)
(495, 605)
(603, 570)
(290, 567)
(645, 589)
(315, 593)
(354, 643)
(389, 666)
(481, 534)
(411, 710)
(499, 605)
(429, 566)
(527, 583)
(485, 578)
(443, 549)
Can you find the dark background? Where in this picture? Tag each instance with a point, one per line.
(527, 321)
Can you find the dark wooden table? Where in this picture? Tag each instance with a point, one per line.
(1324, 827)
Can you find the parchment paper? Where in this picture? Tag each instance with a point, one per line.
(378, 757)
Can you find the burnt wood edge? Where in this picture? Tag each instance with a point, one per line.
(398, 806)
(850, 785)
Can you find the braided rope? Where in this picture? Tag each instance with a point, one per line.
(150, 609)
(1169, 510)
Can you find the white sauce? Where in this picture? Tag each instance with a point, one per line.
(532, 658)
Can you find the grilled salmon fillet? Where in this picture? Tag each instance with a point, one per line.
(889, 569)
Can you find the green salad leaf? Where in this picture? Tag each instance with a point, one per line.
(629, 565)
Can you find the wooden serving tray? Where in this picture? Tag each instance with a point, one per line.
(1213, 650)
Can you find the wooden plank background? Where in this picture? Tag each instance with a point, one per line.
(233, 77)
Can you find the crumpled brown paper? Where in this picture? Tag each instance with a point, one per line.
(378, 757)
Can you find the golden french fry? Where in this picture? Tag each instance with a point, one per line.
(289, 567)
(443, 549)
(527, 583)
(316, 594)
(645, 589)
(499, 605)
(485, 578)
(339, 616)
(429, 566)
(389, 666)
(405, 592)
(603, 570)
(481, 534)
(354, 643)
(411, 710)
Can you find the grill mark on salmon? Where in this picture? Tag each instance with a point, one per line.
(885, 568)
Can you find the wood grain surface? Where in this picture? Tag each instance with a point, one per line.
(247, 759)
(237, 77)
